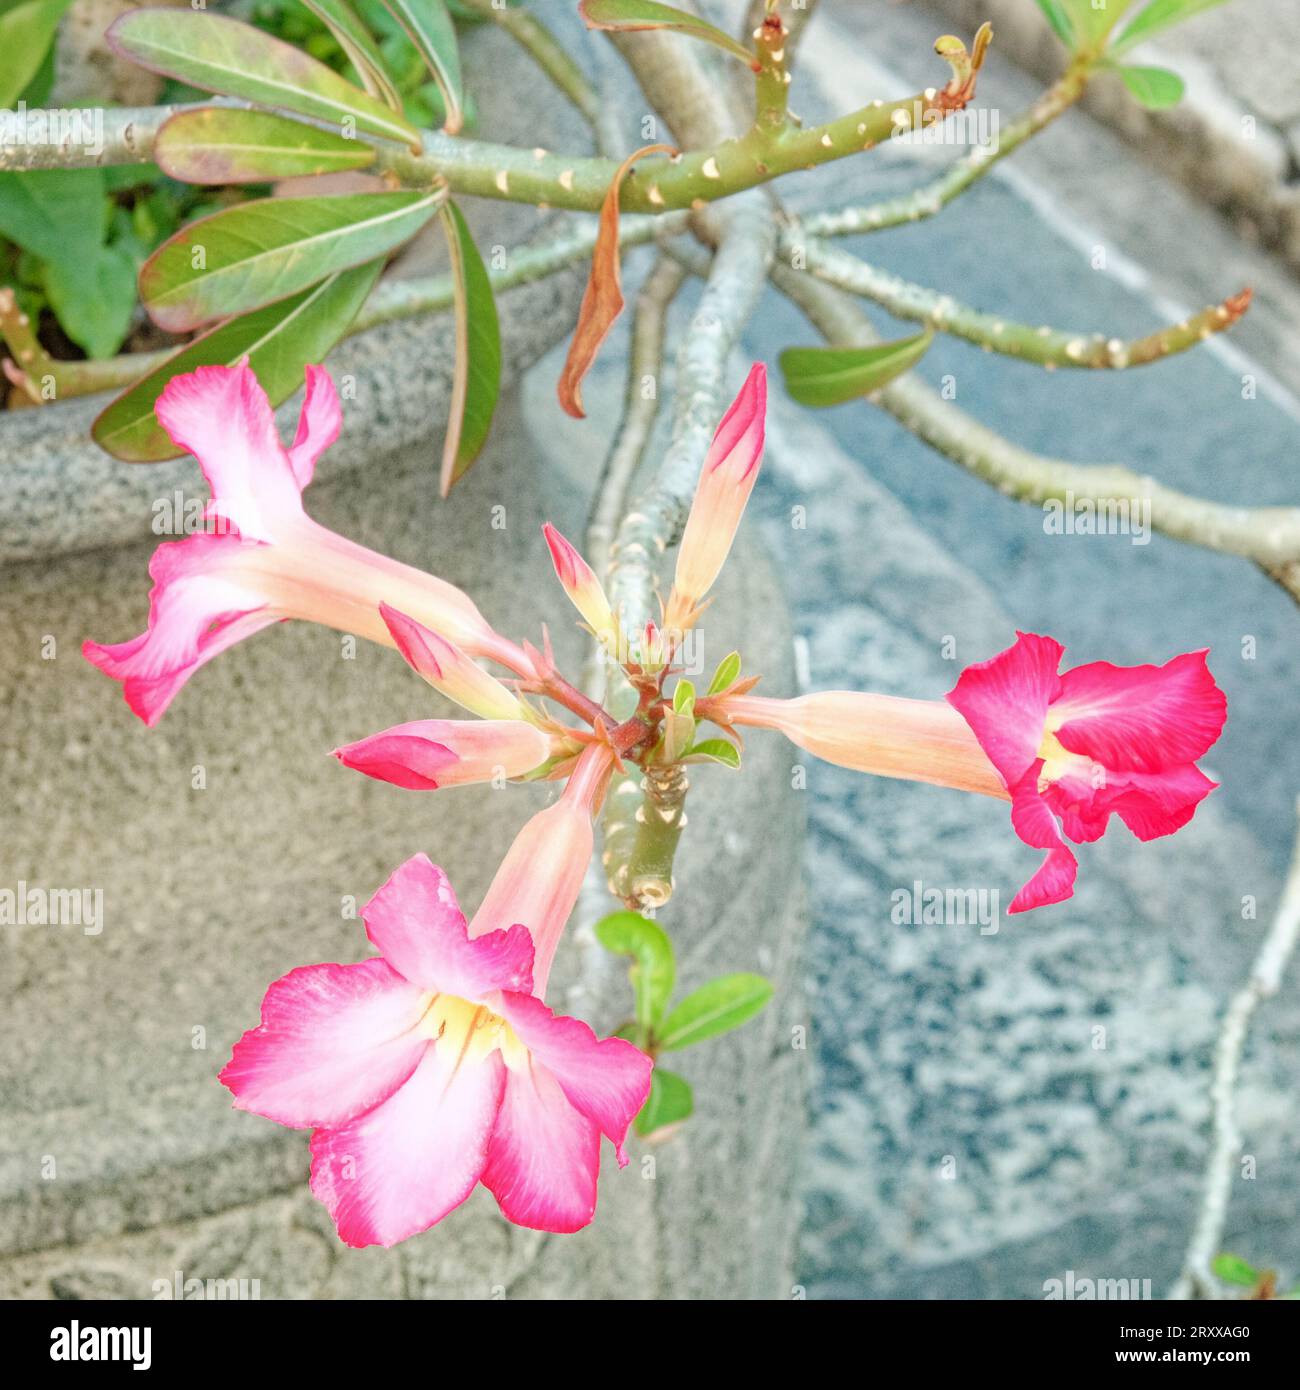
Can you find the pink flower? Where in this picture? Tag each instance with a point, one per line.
(1073, 748)
(727, 477)
(426, 754)
(433, 1067)
(263, 559)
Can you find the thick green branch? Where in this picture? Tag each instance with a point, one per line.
(578, 183)
(1045, 347)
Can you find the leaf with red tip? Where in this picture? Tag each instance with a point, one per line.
(603, 301)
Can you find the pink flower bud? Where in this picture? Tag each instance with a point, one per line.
(450, 670)
(583, 588)
(726, 480)
(430, 753)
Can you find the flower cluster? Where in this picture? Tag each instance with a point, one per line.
(436, 1064)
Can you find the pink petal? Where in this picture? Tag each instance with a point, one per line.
(221, 415)
(334, 1040)
(426, 754)
(401, 1167)
(1005, 701)
(607, 1080)
(1032, 819)
(197, 608)
(318, 425)
(1140, 717)
(417, 924)
(1158, 803)
(544, 1157)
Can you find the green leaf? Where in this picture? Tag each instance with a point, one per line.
(684, 698)
(55, 214)
(217, 145)
(669, 1103)
(646, 14)
(26, 33)
(653, 970)
(830, 376)
(279, 341)
(713, 750)
(429, 27)
(1059, 18)
(1160, 14)
(94, 299)
(1091, 21)
(1232, 1269)
(233, 59)
(678, 731)
(1155, 88)
(477, 380)
(718, 1007)
(263, 251)
(362, 51)
(726, 674)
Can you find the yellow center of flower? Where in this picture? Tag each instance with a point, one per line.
(467, 1032)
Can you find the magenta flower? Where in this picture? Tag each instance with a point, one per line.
(262, 559)
(426, 754)
(433, 1067)
(1074, 748)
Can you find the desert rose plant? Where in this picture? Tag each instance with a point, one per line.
(437, 1064)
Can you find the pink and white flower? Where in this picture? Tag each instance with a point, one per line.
(434, 1066)
(1072, 748)
(585, 591)
(262, 559)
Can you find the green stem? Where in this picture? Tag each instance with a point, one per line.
(935, 196)
(1045, 347)
(1268, 535)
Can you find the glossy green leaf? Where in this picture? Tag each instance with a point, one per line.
(429, 27)
(669, 1103)
(476, 381)
(684, 698)
(219, 145)
(278, 341)
(362, 51)
(718, 1007)
(1059, 18)
(1156, 88)
(1232, 1269)
(26, 33)
(222, 55)
(713, 750)
(833, 375)
(646, 14)
(263, 251)
(94, 300)
(653, 970)
(726, 675)
(1160, 14)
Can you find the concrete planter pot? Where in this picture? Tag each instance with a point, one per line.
(229, 849)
